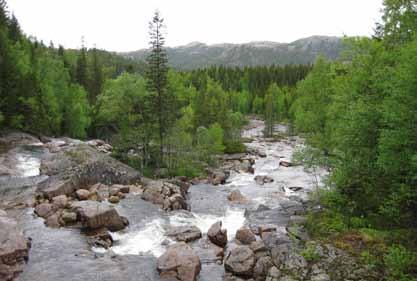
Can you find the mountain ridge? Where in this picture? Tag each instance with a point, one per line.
(255, 53)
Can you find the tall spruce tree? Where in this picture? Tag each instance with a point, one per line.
(81, 71)
(156, 74)
(97, 77)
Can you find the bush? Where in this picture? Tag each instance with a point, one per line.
(401, 264)
(310, 253)
(234, 146)
(325, 223)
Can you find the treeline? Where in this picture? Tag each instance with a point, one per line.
(50, 90)
(360, 119)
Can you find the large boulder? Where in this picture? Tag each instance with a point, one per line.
(261, 180)
(165, 194)
(237, 197)
(179, 262)
(184, 233)
(208, 252)
(217, 235)
(14, 249)
(52, 188)
(94, 215)
(240, 261)
(60, 201)
(218, 177)
(45, 210)
(261, 269)
(82, 194)
(245, 236)
(293, 207)
(99, 238)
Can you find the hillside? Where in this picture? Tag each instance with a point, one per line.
(197, 55)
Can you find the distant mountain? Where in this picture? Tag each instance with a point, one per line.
(197, 55)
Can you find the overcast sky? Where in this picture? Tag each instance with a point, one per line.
(122, 25)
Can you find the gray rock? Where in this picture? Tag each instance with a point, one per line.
(53, 221)
(261, 268)
(60, 201)
(208, 252)
(293, 207)
(285, 163)
(217, 235)
(96, 215)
(240, 261)
(68, 217)
(99, 238)
(14, 249)
(179, 262)
(165, 194)
(261, 180)
(184, 233)
(82, 194)
(245, 236)
(114, 199)
(51, 188)
(45, 210)
(218, 177)
(237, 197)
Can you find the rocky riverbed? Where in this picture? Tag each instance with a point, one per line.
(243, 223)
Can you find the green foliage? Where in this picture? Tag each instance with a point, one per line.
(270, 110)
(401, 263)
(210, 141)
(310, 253)
(310, 108)
(234, 146)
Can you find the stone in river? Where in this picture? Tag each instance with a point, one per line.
(217, 235)
(179, 262)
(184, 233)
(96, 215)
(14, 249)
(245, 236)
(237, 197)
(240, 261)
(285, 163)
(82, 194)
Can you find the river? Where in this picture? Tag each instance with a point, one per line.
(63, 254)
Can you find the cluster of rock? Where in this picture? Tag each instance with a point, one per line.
(100, 145)
(240, 162)
(85, 208)
(14, 248)
(182, 262)
(170, 195)
(283, 256)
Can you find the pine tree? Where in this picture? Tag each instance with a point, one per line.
(81, 71)
(156, 74)
(269, 114)
(14, 29)
(97, 78)
(3, 14)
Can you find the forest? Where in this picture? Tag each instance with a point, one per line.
(358, 115)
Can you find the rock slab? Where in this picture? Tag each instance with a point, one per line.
(14, 249)
(179, 262)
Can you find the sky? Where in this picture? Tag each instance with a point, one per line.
(122, 25)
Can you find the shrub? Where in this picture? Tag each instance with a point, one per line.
(310, 253)
(234, 146)
(401, 263)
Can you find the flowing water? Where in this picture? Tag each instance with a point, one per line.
(209, 204)
(63, 254)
